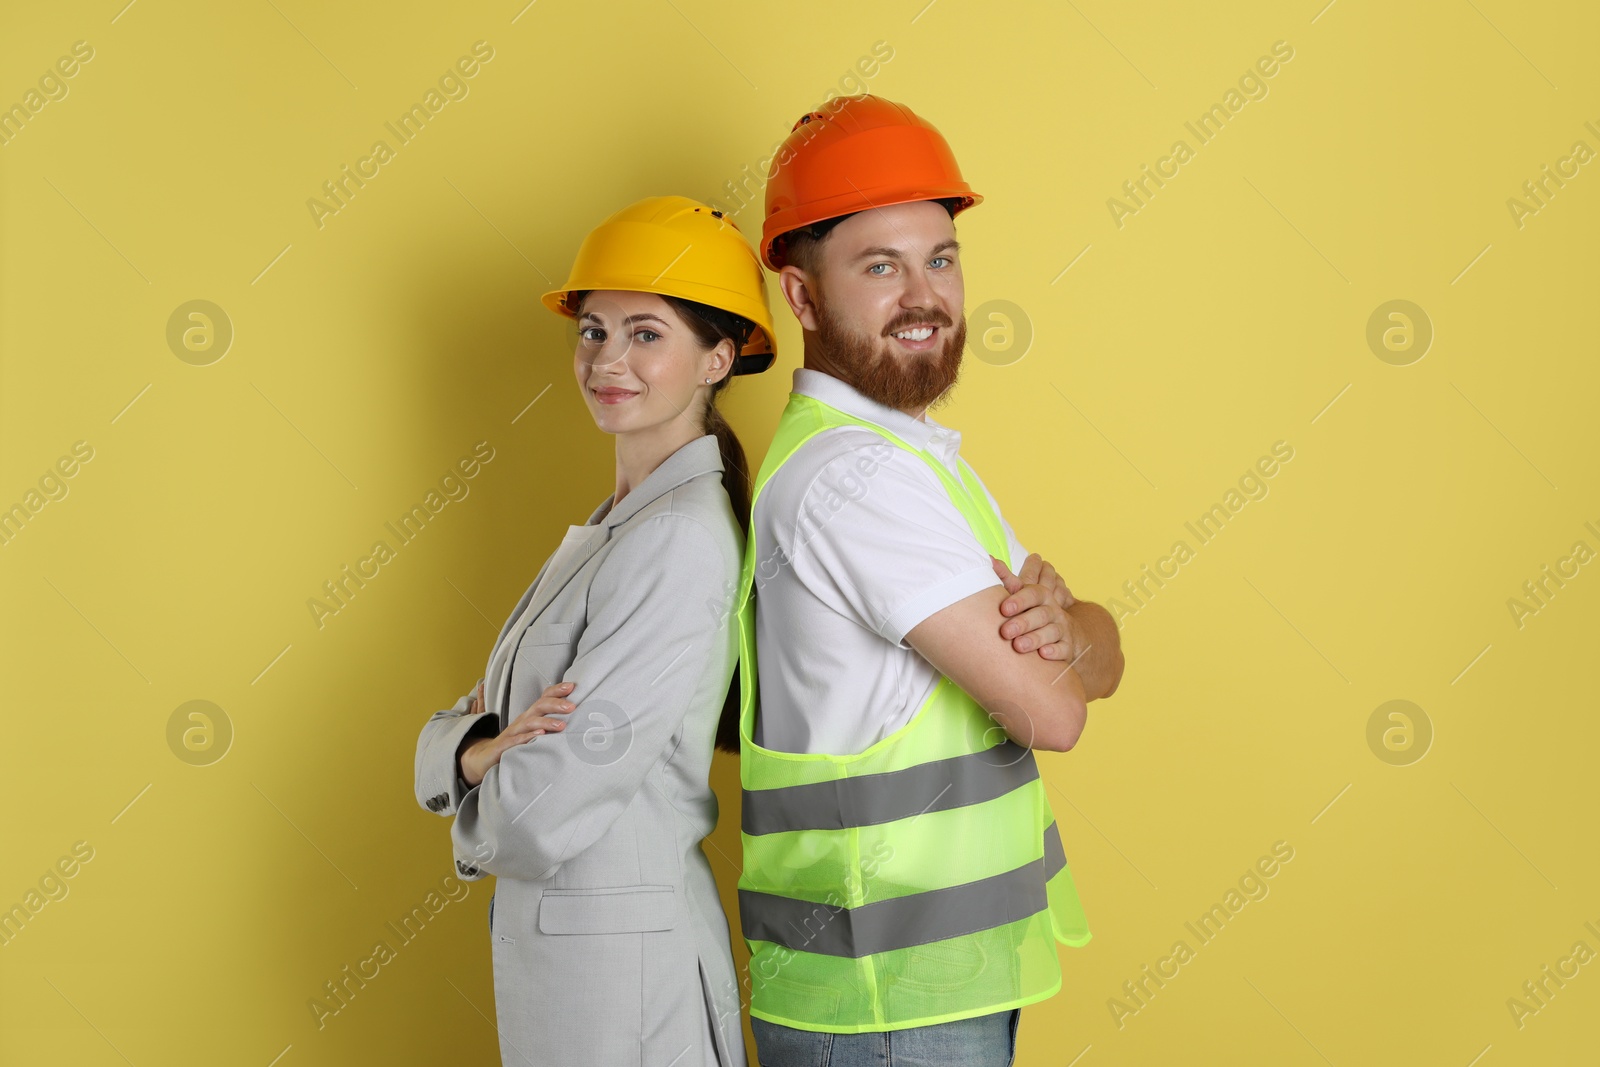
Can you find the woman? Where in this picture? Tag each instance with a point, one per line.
(577, 773)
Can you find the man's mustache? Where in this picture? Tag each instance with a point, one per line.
(932, 318)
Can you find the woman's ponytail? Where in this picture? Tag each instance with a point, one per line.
(711, 325)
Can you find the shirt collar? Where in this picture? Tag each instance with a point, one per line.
(699, 456)
(924, 433)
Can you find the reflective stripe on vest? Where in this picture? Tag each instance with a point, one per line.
(920, 881)
(889, 795)
(901, 922)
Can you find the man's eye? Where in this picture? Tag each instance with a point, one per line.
(874, 269)
(940, 259)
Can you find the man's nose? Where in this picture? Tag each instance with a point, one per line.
(919, 292)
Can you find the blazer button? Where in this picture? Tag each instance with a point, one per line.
(466, 868)
(439, 801)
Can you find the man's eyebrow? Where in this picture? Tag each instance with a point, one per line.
(884, 252)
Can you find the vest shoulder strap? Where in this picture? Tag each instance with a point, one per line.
(806, 416)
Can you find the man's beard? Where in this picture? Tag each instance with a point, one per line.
(910, 383)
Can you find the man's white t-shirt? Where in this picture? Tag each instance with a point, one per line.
(858, 542)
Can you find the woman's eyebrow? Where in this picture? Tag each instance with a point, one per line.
(643, 316)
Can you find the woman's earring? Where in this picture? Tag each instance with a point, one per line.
(708, 381)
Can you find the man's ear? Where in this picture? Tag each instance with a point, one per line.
(797, 290)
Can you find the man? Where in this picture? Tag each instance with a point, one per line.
(904, 881)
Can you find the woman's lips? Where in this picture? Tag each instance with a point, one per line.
(613, 396)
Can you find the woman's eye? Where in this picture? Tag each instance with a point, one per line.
(647, 335)
(593, 335)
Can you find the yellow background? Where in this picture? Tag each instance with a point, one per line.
(1229, 313)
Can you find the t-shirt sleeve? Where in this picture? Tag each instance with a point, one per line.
(876, 537)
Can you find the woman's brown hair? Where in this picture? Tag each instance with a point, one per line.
(711, 325)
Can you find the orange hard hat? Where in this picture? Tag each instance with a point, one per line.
(854, 153)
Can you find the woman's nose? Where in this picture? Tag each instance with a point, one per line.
(610, 354)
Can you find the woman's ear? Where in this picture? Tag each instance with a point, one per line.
(796, 286)
(721, 359)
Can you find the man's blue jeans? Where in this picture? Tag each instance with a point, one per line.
(984, 1041)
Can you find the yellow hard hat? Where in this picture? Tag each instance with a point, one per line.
(675, 246)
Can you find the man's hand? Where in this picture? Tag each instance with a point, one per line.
(1036, 611)
(1088, 641)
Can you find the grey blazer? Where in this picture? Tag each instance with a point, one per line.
(609, 942)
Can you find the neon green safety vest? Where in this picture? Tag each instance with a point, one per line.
(920, 881)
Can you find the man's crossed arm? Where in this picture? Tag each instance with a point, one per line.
(1037, 667)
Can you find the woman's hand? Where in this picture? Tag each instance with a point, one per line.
(484, 752)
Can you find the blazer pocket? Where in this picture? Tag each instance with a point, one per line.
(548, 633)
(621, 910)
(543, 655)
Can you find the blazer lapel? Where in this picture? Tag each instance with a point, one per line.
(693, 459)
(540, 594)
